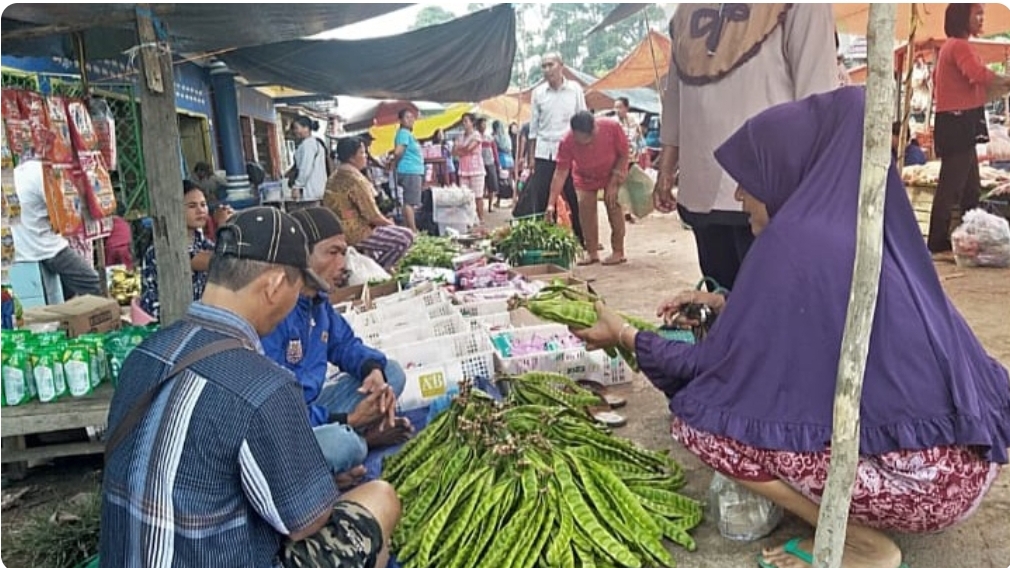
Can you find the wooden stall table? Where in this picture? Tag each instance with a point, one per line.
(68, 413)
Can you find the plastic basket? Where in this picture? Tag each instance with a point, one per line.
(426, 293)
(608, 370)
(472, 350)
(491, 322)
(532, 257)
(572, 362)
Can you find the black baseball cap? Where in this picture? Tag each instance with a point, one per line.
(266, 234)
(319, 224)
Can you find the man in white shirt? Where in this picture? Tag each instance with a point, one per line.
(35, 240)
(554, 103)
(729, 64)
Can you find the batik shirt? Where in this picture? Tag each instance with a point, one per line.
(149, 274)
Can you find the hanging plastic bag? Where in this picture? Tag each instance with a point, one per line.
(363, 269)
(636, 192)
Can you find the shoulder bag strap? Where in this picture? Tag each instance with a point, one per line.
(142, 405)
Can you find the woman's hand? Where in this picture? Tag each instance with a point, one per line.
(607, 331)
(222, 214)
(672, 308)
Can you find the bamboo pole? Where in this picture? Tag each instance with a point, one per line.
(906, 108)
(829, 542)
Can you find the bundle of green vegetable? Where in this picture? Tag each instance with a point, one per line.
(565, 305)
(436, 252)
(488, 484)
(535, 235)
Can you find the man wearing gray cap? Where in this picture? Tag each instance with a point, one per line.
(210, 460)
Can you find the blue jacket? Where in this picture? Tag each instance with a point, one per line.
(312, 335)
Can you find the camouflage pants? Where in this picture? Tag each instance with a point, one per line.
(352, 539)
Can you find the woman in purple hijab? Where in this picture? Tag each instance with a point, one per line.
(754, 399)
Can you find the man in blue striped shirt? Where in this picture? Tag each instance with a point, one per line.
(221, 469)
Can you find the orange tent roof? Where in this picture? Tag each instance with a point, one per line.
(647, 62)
(851, 19)
(991, 51)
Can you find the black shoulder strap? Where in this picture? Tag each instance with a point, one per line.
(144, 402)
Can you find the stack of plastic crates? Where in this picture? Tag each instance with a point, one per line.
(408, 317)
(486, 309)
(572, 361)
(434, 365)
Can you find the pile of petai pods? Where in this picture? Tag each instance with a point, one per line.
(534, 482)
(565, 305)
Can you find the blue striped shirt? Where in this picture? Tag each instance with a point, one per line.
(222, 466)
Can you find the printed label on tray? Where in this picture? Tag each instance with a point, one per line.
(432, 384)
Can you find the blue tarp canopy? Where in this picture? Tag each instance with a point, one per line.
(467, 59)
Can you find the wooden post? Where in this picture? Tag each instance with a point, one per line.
(834, 510)
(164, 170)
(906, 107)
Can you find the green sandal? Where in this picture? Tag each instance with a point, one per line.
(792, 548)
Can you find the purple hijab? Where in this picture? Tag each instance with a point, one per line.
(766, 373)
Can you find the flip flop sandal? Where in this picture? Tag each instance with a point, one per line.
(792, 548)
(614, 262)
(610, 419)
(613, 401)
(588, 261)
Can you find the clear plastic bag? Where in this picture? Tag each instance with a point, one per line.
(983, 239)
(739, 513)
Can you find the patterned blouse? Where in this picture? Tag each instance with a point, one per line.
(149, 275)
(349, 195)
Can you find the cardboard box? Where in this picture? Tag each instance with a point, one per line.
(354, 294)
(542, 271)
(81, 315)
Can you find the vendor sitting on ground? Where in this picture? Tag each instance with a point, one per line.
(200, 250)
(754, 399)
(351, 196)
(363, 398)
(914, 156)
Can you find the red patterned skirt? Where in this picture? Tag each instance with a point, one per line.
(906, 491)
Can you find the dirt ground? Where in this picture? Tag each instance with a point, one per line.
(662, 261)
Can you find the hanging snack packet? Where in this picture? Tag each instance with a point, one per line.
(33, 110)
(61, 150)
(82, 130)
(62, 199)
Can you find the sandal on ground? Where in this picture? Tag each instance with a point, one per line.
(609, 419)
(587, 261)
(611, 261)
(792, 548)
(613, 401)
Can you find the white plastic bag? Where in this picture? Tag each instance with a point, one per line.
(741, 514)
(983, 239)
(636, 192)
(363, 269)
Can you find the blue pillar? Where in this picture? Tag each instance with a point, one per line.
(228, 129)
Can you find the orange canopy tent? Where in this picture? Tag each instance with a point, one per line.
(851, 19)
(991, 51)
(649, 61)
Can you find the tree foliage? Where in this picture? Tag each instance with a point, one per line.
(432, 15)
(564, 28)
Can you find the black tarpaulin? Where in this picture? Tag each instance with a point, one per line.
(109, 29)
(467, 59)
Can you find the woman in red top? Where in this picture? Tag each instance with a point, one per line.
(963, 85)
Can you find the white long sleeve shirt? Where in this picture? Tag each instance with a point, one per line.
(310, 157)
(34, 238)
(553, 110)
(797, 60)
